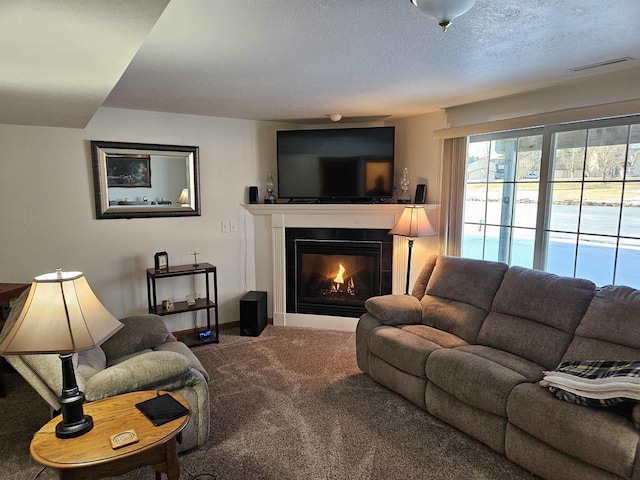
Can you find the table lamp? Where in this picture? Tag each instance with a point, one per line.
(413, 223)
(62, 315)
(183, 199)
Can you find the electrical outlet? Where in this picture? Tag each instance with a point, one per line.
(233, 226)
(225, 227)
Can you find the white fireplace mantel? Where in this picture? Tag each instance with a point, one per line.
(270, 222)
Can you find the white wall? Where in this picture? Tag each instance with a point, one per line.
(420, 153)
(417, 150)
(48, 217)
(585, 91)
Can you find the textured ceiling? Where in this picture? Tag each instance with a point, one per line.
(304, 59)
(300, 59)
(60, 59)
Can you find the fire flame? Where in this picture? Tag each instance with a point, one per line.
(339, 277)
(340, 285)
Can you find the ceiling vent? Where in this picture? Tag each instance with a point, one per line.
(602, 64)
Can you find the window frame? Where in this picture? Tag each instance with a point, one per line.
(543, 215)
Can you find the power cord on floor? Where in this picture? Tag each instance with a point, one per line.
(199, 475)
(39, 473)
(191, 475)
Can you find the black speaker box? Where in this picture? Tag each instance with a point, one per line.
(421, 193)
(253, 194)
(253, 313)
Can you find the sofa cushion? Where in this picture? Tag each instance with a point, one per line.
(544, 297)
(140, 332)
(547, 462)
(404, 349)
(182, 349)
(124, 358)
(609, 329)
(529, 370)
(395, 309)
(91, 362)
(434, 335)
(365, 326)
(525, 338)
(153, 370)
(403, 383)
(472, 379)
(46, 367)
(480, 424)
(535, 313)
(420, 287)
(595, 436)
(459, 295)
(458, 318)
(466, 280)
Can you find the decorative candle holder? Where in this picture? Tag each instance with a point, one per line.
(403, 196)
(269, 196)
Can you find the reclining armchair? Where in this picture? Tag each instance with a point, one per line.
(143, 355)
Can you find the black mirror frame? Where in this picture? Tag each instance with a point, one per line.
(100, 185)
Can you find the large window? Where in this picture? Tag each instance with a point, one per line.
(565, 199)
(501, 198)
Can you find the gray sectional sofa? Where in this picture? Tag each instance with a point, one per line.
(472, 342)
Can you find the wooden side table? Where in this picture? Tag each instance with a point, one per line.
(90, 456)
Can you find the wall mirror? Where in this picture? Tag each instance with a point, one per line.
(141, 180)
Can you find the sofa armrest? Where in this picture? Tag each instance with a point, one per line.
(140, 332)
(395, 309)
(147, 371)
(182, 349)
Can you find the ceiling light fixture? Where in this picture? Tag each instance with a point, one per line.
(335, 117)
(444, 11)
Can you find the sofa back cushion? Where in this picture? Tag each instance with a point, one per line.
(140, 332)
(535, 314)
(90, 362)
(420, 287)
(459, 295)
(610, 329)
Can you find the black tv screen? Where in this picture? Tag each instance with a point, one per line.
(344, 163)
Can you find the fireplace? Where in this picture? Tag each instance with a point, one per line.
(334, 271)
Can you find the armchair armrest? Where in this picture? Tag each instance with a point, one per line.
(140, 332)
(395, 309)
(146, 371)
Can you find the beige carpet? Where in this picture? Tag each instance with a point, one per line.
(290, 404)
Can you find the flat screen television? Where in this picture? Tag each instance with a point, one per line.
(351, 164)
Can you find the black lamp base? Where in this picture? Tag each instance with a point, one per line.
(406, 290)
(74, 422)
(73, 430)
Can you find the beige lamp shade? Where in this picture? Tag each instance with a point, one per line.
(183, 199)
(61, 315)
(413, 223)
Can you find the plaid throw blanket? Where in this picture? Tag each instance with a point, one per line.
(595, 382)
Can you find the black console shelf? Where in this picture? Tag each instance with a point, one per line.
(195, 337)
